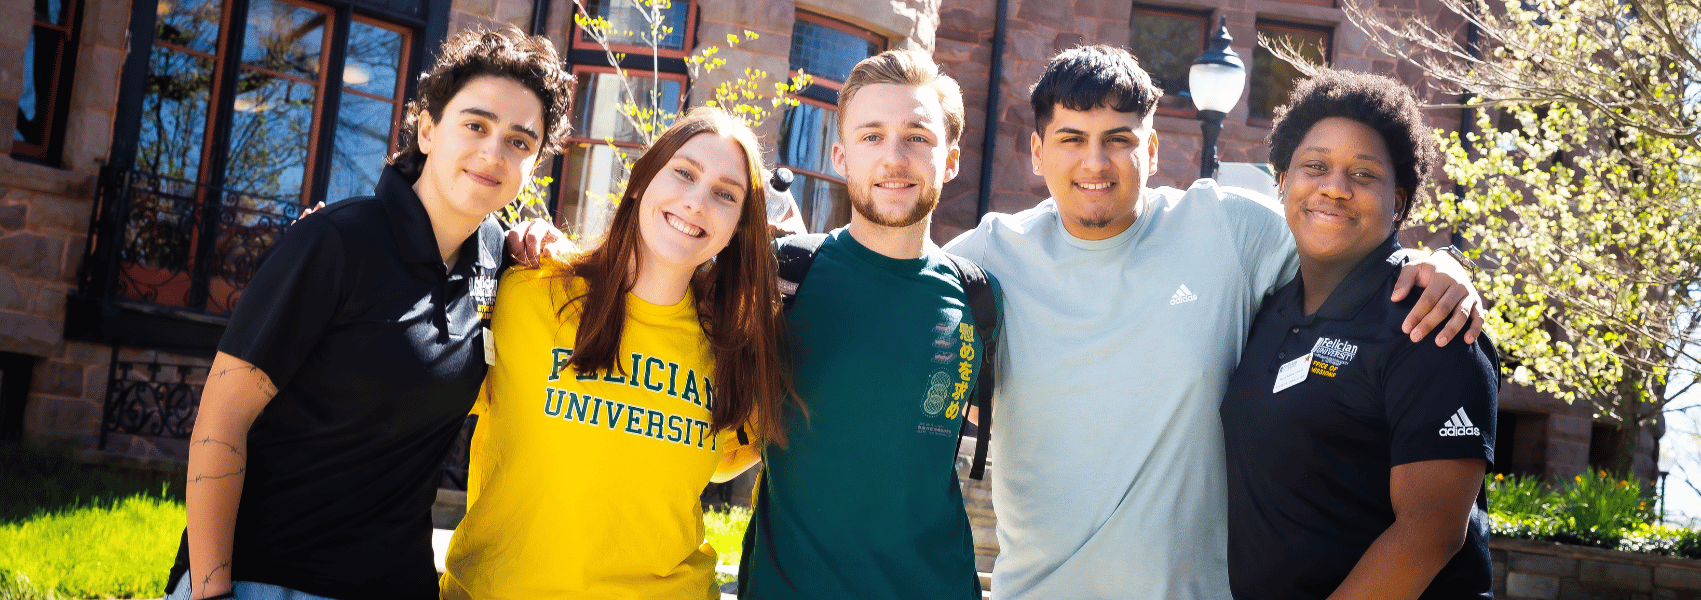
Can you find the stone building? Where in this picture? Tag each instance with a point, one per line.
(160, 145)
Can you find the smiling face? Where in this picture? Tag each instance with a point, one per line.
(480, 154)
(1338, 193)
(1095, 163)
(691, 208)
(894, 153)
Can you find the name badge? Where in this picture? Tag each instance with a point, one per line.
(489, 346)
(1293, 372)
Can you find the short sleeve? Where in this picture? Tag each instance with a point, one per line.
(1265, 243)
(971, 244)
(1441, 401)
(291, 301)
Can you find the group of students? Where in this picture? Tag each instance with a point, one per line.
(1133, 459)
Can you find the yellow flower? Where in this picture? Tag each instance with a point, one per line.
(1499, 477)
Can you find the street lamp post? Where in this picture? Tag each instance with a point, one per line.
(1216, 80)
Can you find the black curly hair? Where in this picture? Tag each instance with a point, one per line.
(1383, 104)
(529, 60)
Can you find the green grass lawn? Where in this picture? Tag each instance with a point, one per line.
(72, 531)
(725, 530)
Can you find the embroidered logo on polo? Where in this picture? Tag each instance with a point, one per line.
(1459, 425)
(1182, 294)
(1328, 355)
(484, 295)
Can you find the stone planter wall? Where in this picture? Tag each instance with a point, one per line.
(1525, 570)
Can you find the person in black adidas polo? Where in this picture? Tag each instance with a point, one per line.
(357, 349)
(1356, 456)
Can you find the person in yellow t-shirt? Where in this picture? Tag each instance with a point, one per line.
(622, 376)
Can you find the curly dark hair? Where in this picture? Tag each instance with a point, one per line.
(529, 60)
(1086, 77)
(1382, 104)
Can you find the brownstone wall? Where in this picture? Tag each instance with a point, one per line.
(1038, 29)
(44, 221)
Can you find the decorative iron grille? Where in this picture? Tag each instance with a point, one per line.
(151, 398)
(162, 399)
(179, 244)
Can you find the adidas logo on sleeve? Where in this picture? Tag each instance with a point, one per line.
(1459, 425)
(1181, 295)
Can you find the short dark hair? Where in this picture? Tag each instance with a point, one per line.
(1087, 77)
(529, 60)
(1382, 104)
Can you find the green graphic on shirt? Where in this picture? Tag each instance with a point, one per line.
(936, 392)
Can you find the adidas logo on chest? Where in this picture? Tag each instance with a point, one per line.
(1182, 294)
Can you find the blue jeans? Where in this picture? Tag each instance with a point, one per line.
(247, 590)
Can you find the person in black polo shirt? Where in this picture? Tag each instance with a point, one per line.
(358, 348)
(1356, 456)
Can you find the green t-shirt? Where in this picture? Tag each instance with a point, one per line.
(864, 504)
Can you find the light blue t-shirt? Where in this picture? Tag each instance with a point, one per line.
(1107, 464)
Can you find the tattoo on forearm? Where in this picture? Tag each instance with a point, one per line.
(264, 385)
(209, 441)
(233, 449)
(199, 477)
(225, 566)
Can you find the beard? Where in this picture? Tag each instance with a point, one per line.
(861, 193)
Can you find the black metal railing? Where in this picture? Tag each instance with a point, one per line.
(178, 244)
(151, 398)
(158, 399)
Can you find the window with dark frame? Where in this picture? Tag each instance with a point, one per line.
(601, 133)
(49, 57)
(233, 121)
(628, 27)
(1166, 41)
(1272, 78)
(827, 49)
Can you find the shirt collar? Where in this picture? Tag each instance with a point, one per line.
(411, 225)
(1362, 283)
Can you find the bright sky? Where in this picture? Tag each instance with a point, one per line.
(1680, 454)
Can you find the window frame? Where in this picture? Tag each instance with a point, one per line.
(1327, 32)
(823, 93)
(581, 38)
(317, 137)
(880, 42)
(59, 96)
(401, 99)
(802, 171)
(1172, 103)
(560, 189)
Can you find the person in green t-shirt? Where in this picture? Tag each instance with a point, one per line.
(864, 503)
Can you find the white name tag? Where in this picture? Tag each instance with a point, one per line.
(489, 346)
(1293, 372)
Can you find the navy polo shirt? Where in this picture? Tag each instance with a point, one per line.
(377, 352)
(1309, 459)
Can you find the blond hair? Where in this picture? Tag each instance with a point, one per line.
(908, 67)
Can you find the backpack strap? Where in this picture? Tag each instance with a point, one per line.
(796, 253)
(984, 305)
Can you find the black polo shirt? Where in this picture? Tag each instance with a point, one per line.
(377, 353)
(1309, 460)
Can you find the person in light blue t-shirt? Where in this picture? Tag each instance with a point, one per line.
(1125, 311)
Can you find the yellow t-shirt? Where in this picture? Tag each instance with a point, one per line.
(586, 486)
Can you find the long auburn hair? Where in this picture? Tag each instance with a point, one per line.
(736, 295)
